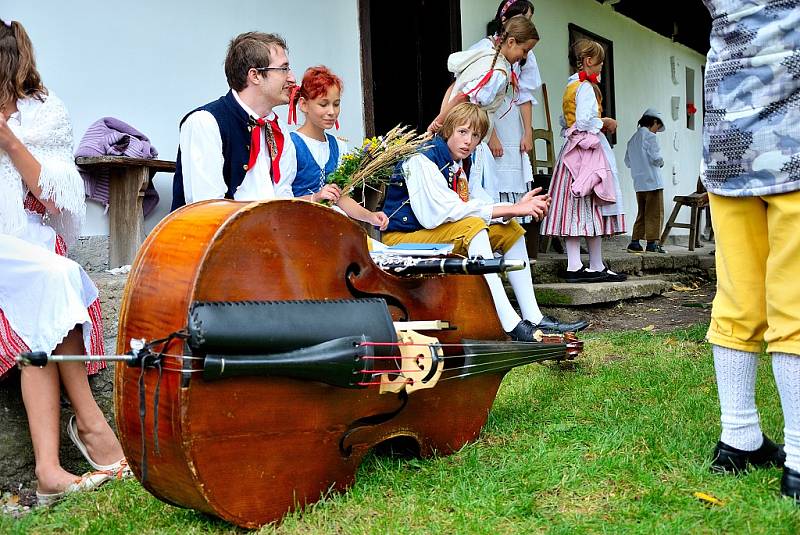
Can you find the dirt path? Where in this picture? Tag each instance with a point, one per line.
(684, 306)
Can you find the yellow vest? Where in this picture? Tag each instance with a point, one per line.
(568, 103)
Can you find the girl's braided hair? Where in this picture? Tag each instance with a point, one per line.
(520, 28)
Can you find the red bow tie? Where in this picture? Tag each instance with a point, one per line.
(274, 138)
(594, 77)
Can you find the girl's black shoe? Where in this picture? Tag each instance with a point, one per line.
(584, 275)
(790, 484)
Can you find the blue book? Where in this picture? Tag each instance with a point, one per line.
(415, 249)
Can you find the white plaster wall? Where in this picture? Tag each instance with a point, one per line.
(150, 62)
(642, 78)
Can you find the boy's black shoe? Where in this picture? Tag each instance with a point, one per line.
(729, 459)
(635, 247)
(790, 484)
(549, 324)
(584, 275)
(655, 248)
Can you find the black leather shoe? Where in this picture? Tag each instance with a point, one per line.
(523, 332)
(790, 484)
(729, 459)
(551, 325)
(583, 275)
(614, 277)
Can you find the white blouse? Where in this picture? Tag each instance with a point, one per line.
(587, 116)
(202, 162)
(528, 75)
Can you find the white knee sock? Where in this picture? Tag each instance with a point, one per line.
(736, 384)
(522, 283)
(595, 246)
(786, 368)
(573, 247)
(480, 246)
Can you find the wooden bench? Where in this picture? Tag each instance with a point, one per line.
(695, 201)
(128, 180)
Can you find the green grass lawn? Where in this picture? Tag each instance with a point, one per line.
(618, 444)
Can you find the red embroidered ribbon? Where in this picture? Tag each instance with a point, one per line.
(275, 141)
(583, 76)
(460, 186)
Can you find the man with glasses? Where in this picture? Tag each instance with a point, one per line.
(236, 147)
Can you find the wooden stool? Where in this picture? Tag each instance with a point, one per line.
(695, 201)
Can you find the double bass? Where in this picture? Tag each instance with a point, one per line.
(247, 445)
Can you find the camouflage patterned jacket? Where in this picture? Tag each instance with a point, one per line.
(751, 139)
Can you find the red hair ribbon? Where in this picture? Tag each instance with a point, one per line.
(583, 76)
(292, 119)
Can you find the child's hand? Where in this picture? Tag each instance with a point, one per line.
(609, 125)
(495, 146)
(533, 204)
(379, 220)
(435, 125)
(329, 192)
(527, 142)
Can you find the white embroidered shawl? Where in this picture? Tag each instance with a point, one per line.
(45, 130)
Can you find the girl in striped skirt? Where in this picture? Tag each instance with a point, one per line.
(586, 197)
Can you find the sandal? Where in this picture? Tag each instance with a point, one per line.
(118, 470)
(87, 482)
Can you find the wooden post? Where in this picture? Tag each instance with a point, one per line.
(125, 216)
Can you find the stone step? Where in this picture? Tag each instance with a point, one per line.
(577, 294)
(679, 261)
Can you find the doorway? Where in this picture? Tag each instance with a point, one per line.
(404, 49)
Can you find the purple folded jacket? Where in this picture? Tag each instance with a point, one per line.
(111, 137)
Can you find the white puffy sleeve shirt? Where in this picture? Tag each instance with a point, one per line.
(433, 202)
(587, 116)
(202, 161)
(528, 75)
(529, 79)
(643, 157)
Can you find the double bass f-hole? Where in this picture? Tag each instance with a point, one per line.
(352, 276)
(346, 445)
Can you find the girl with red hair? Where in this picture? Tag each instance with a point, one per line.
(319, 153)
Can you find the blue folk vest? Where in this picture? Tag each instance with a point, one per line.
(397, 206)
(310, 178)
(233, 129)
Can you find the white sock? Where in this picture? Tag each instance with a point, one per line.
(522, 283)
(573, 247)
(595, 246)
(736, 384)
(480, 246)
(786, 368)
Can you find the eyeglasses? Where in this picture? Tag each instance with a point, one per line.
(284, 70)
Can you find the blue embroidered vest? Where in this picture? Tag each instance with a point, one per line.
(310, 178)
(397, 206)
(233, 128)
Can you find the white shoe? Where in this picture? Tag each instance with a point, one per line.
(118, 470)
(88, 481)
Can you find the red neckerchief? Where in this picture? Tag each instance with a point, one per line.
(583, 76)
(274, 139)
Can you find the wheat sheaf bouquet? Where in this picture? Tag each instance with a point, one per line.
(371, 165)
